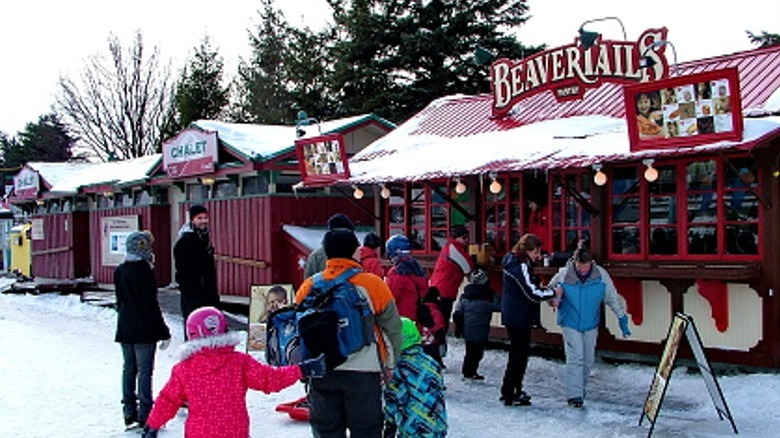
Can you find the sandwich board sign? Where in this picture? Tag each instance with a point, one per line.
(682, 324)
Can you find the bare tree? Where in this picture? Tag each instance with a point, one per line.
(119, 107)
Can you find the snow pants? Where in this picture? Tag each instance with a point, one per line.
(346, 400)
(580, 349)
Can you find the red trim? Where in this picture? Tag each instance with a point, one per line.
(631, 290)
(716, 293)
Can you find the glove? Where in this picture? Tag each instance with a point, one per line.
(148, 432)
(164, 344)
(313, 368)
(623, 321)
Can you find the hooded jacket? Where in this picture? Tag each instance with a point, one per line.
(213, 378)
(196, 272)
(580, 306)
(407, 281)
(370, 261)
(139, 319)
(374, 357)
(478, 303)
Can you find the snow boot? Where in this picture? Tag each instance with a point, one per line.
(575, 402)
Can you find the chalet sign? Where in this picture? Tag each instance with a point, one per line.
(191, 152)
(568, 71)
(26, 183)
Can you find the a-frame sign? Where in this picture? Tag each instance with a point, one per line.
(682, 324)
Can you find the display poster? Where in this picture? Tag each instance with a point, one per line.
(264, 300)
(113, 235)
(36, 229)
(322, 158)
(685, 110)
(682, 324)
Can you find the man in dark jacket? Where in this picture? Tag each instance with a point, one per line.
(193, 256)
(139, 326)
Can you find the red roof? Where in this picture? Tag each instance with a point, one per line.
(759, 75)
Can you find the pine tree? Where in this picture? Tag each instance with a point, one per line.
(765, 39)
(199, 93)
(47, 140)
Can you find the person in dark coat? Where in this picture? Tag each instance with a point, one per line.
(140, 325)
(520, 313)
(193, 256)
(476, 305)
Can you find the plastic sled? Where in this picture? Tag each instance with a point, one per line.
(297, 409)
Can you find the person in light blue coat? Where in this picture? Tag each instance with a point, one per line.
(582, 287)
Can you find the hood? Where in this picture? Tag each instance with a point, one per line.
(367, 253)
(209, 344)
(186, 228)
(477, 292)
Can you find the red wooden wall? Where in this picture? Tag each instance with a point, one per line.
(155, 218)
(64, 251)
(248, 240)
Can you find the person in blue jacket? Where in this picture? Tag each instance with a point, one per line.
(582, 287)
(520, 298)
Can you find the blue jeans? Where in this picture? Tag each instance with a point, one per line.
(138, 367)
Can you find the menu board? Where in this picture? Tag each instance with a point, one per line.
(685, 110)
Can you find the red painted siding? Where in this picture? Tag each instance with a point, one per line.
(64, 252)
(155, 218)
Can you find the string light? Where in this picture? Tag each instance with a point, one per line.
(385, 192)
(358, 193)
(495, 186)
(460, 188)
(651, 173)
(600, 178)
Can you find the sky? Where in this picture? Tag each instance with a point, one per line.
(60, 376)
(43, 39)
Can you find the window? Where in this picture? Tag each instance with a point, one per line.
(571, 191)
(705, 208)
(254, 185)
(225, 189)
(503, 215)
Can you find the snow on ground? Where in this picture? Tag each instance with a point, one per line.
(60, 377)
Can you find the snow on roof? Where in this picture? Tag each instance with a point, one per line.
(264, 141)
(67, 178)
(311, 238)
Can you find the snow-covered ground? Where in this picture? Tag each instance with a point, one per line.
(60, 377)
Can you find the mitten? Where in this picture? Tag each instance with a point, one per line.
(623, 321)
(314, 368)
(148, 432)
(164, 343)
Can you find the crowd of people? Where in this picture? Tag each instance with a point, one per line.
(390, 387)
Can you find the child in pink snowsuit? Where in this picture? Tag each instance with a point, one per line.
(213, 378)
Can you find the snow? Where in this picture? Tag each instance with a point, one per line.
(60, 376)
(311, 238)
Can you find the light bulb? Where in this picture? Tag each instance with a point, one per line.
(651, 174)
(460, 188)
(600, 178)
(358, 193)
(385, 192)
(495, 187)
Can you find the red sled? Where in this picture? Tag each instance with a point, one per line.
(297, 409)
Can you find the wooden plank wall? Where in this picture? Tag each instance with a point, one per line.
(64, 252)
(155, 218)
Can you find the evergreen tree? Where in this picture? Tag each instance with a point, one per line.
(199, 93)
(394, 57)
(47, 140)
(764, 39)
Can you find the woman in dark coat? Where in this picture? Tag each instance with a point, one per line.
(520, 313)
(140, 325)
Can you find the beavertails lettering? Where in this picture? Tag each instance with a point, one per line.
(569, 70)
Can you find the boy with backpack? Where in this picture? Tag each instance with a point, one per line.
(349, 397)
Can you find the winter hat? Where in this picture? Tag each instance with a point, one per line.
(372, 240)
(410, 333)
(204, 322)
(340, 244)
(397, 245)
(340, 221)
(459, 231)
(197, 209)
(139, 246)
(479, 276)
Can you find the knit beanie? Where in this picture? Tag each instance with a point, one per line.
(197, 209)
(410, 333)
(340, 244)
(139, 246)
(340, 221)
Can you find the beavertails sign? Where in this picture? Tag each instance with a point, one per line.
(570, 70)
